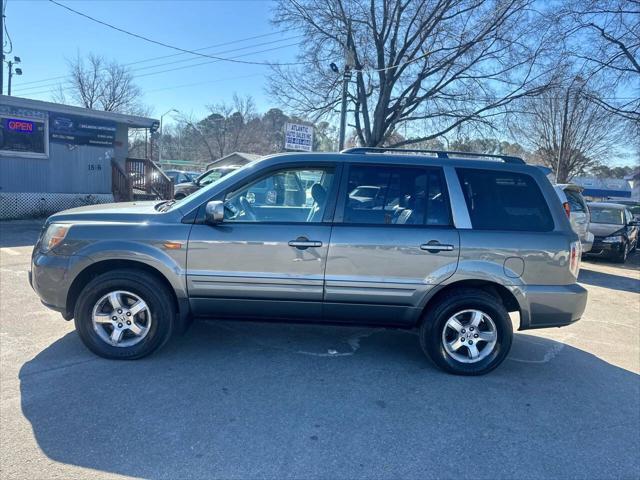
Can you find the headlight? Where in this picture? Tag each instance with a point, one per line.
(55, 234)
(613, 239)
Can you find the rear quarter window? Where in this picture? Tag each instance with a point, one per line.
(504, 201)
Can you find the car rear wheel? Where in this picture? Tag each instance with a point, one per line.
(467, 332)
(124, 314)
(179, 196)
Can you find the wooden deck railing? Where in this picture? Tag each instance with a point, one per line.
(146, 177)
(120, 185)
(141, 178)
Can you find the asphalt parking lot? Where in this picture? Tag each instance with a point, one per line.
(244, 400)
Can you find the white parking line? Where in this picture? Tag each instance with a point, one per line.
(9, 251)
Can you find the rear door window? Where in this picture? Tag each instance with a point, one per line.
(504, 201)
(383, 195)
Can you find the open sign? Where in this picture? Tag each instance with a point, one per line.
(21, 126)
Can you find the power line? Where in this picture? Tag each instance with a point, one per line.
(203, 83)
(47, 90)
(173, 47)
(231, 42)
(216, 61)
(26, 89)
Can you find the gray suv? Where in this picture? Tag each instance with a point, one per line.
(448, 245)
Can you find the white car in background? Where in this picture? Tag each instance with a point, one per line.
(576, 207)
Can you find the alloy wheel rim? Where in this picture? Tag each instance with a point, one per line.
(121, 318)
(469, 336)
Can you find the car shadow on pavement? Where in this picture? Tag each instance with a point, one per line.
(609, 280)
(246, 400)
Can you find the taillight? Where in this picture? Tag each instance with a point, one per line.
(575, 257)
(567, 209)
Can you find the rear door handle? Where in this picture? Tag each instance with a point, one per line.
(303, 243)
(435, 247)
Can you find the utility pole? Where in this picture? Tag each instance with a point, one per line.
(1, 47)
(343, 109)
(346, 77)
(18, 71)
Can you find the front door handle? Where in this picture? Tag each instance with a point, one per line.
(434, 247)
(303, 243)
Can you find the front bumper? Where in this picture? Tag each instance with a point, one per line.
(606, 249)
(50, 280)
(544, 306)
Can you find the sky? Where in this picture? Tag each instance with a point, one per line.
(46, 36)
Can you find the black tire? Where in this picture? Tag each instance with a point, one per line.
(179, 196)
(621, 257)
(154, 293)
(456, 301)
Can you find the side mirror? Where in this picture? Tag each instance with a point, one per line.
(214, 212)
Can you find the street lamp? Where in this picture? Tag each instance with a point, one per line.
(173, 110)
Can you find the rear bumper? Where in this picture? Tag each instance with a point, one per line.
(544, 306)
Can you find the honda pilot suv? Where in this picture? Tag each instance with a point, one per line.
(449, 244)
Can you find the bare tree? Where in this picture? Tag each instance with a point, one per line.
(99, 84)
(225, 130)
(427, 65)
(567, 130)
(604, 35)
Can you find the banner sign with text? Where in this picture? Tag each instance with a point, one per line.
(81, 131)
(298, 137)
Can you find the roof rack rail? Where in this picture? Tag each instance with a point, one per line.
(439, 153)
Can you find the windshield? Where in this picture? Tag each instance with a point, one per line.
(611, 216)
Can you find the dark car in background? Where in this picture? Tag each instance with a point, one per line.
(179, 176)
(615, 231)
(183, 189)
(633, 206)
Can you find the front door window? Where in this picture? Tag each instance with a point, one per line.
(290, 196)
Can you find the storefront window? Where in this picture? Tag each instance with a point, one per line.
(22, 135)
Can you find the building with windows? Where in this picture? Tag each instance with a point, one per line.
(54, 157)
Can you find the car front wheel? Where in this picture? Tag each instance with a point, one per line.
(124, 314)
(467, 332)
(621, 256)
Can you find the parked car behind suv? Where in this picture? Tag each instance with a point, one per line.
(185, 188)
(451, 248)
(178, 176)
(576, 207)
(615, 231)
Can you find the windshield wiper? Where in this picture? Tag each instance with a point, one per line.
(164, 206)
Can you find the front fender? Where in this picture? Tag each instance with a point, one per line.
(170, 263)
